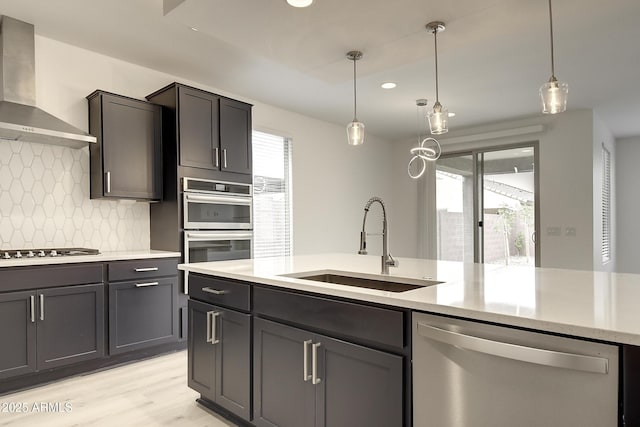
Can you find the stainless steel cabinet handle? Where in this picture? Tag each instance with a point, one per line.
(41, 306)
(142, 270)
(33, 308)
(214, 291)
(217, 156)
(214, 333)
(305, 357)
(142, 285)
(108, 181)
(314, 364)
(209, 337)
(224, 157)
(538, 356)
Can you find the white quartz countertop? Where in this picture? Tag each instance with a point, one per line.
(103, 256)
(588, 304)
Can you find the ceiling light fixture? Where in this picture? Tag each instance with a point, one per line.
(439, 117)
(355, 129)
(388, 85)
(553, 93)
(428, 149)
(300, 3)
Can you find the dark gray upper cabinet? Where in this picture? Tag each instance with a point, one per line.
(17, 333)
(235, 136)
(199, 129)
(126, 161)
(210, 134)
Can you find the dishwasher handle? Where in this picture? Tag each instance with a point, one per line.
(538, 356)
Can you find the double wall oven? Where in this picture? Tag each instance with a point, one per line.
(217, 221)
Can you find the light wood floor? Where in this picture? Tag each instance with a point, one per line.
(150, 393)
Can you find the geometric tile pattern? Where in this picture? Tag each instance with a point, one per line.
(44, 202)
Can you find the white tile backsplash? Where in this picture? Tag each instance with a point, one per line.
(44, 202)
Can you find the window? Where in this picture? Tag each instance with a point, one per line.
(271, 195)
(606, 206)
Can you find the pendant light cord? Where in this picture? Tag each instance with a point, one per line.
(435, 38)
(355, 115)
(553, 72)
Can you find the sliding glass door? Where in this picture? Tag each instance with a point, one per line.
(486, 206)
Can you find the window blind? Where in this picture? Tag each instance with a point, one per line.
(606, 205)
(272, 233)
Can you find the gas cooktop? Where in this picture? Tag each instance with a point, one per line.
(49, 252)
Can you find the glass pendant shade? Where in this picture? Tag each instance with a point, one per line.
(438, 119)
(355, 133)
(300, 3)
(553, 95)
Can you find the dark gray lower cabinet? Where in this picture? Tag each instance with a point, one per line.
(219, 346)
(17, 333)
(51, 327)
(142, 313)
(352, 385)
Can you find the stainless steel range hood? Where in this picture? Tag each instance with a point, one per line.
(20, 119)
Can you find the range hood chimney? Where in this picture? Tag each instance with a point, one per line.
(20, 119)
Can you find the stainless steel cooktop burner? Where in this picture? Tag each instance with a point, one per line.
(49, 252)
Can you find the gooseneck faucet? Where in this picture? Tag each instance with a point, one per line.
(387, 259)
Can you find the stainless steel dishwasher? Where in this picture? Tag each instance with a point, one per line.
(468, 374)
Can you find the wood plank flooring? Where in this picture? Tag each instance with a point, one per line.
(149, 393)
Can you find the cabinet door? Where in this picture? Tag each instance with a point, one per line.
(198, 129)
(131, 147)
(201, 353)
(17, 333)
(235, 136)
(282, 396)
(358, 386)
(70, 325)
(142, 314)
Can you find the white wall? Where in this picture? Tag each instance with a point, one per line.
(566, 181)
(628, 204)
(331, 181)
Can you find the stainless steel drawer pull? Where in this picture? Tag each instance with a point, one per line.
(522, 353)
(214, 291)
(314, 364)
(224, 156)
(305, 357)
(33, 308)
(217, 156)
(41, 306)
(214, 333)
(142, 285)
(142, 270)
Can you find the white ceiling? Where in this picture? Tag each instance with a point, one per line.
(493, 55)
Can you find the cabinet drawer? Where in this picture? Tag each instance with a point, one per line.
(371, 324)
(219, 291)
(142, 269)
(48, 276)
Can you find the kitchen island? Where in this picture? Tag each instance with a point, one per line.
(591, 306)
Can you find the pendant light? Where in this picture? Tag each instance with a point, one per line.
(428, 149)
(355, 129)
(553, 93)
(439, 117)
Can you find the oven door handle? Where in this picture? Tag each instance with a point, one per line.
(218, 236)
(228, 200)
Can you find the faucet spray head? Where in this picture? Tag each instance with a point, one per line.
(363, 243)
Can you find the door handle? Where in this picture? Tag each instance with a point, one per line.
(214, 332)
(305, 357)
(41, 306)
(108, 181)
(217, 156)
(314, 364)
(214, 291)
(224, 157)
(142, 270)
(33, 308)
(209, 338)
(521, 353)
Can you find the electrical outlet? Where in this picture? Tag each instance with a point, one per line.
(570, 231)
(553, 231)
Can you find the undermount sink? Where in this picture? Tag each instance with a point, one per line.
(381, 283)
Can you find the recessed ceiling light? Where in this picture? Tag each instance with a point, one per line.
(388, 85)
(452, 114)
(300, 3)
(193, 29)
